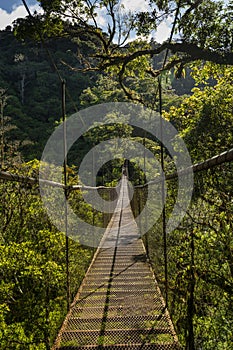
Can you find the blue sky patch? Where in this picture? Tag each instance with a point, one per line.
(10, 5)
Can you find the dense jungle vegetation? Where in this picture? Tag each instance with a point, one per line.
(197, 87)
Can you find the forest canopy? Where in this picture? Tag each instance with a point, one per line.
(203, 27)
(200, 30)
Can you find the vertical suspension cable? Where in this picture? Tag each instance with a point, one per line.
(163, 194)
(66, 192)
(190, 306)
(93, 209)
(144, 195)
(51, 59)
(159, 91)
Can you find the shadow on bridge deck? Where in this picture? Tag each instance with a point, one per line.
(119, 304)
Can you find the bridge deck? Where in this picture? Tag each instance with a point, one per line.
(119, 304)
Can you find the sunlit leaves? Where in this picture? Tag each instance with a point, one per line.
(205, 118)
(32, 267)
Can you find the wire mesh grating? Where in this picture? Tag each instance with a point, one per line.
(119, 304)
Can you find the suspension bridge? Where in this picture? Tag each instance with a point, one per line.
(119, 304)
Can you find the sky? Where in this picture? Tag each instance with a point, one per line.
(13, 9)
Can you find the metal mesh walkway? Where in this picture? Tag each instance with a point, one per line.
(119, 304)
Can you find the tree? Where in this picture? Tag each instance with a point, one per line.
(34, 90)
(203, 32)
(3, 99)
(32, 266)
(205, 118)
(9, 149)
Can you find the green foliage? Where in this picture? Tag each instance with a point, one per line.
(200, 262)
(203, 31)
(32, 253)
(205, 118)
(32, 268)
(209, 25)
(34, 90)
(105, 90)
(199, 251)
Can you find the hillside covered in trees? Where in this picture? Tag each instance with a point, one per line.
(29, 81)
(31, 89)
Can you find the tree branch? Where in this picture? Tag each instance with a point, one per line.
(192, 51)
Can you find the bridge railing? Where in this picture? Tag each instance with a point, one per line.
(194, 266)
(33, 263)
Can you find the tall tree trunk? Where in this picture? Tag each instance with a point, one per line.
(22, 88)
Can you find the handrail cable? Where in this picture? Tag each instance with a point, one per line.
(222, 158)
(219, 159)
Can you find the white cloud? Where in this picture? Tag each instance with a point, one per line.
(160, 35)
(18, 12)
(163, 32)
(101, 18)
(135, 5)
